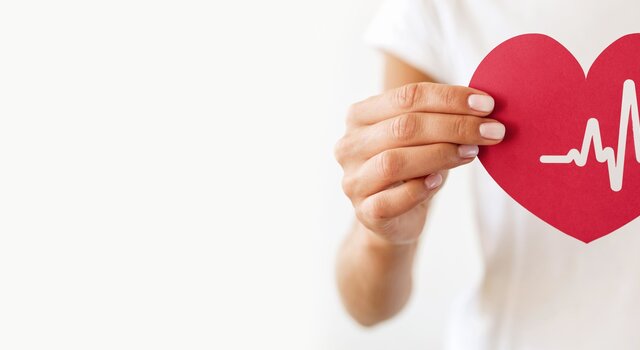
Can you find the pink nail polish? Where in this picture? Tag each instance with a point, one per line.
(468, 151)
(492, 131)
(481, 103)
(432, 181)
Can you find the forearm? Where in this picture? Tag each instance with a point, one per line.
(374, 276)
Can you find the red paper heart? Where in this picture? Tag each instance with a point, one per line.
(546, 103)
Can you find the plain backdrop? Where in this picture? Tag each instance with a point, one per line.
(167, 179)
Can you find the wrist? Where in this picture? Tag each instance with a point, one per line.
(385, 257)
(374, 241)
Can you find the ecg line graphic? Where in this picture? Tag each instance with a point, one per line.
(615, 162)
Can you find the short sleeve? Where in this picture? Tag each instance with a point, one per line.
(411, 31)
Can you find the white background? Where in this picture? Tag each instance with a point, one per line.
(167, 180)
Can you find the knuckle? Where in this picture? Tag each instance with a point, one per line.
(354, 112)
(406, 96)
(349, 186)
(389, 164)
(460, 128)
(347, 147)
(351, 113)
(448, 96)
(404, 127)
(340, 150)
(361, 212)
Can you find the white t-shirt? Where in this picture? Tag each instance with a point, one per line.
(540, 288)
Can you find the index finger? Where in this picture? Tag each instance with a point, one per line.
(421, 97)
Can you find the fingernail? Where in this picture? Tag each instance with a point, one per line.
(468, 151)
(481, 103)
(432, 181)
(493, 131)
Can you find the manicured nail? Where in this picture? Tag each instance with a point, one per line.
(493, 131)
(481, 103)
(468, 151)
(432, 181)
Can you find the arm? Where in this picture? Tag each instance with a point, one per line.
(395, 154)
(374, 277)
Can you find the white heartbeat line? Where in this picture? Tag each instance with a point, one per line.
(615, 164)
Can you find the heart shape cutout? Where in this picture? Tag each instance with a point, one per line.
(569, 155)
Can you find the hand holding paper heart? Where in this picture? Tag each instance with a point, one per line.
(398, 146)
(572, 152)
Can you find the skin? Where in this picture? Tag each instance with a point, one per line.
(395, 153)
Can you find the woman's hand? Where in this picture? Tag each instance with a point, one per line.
(398, 147)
